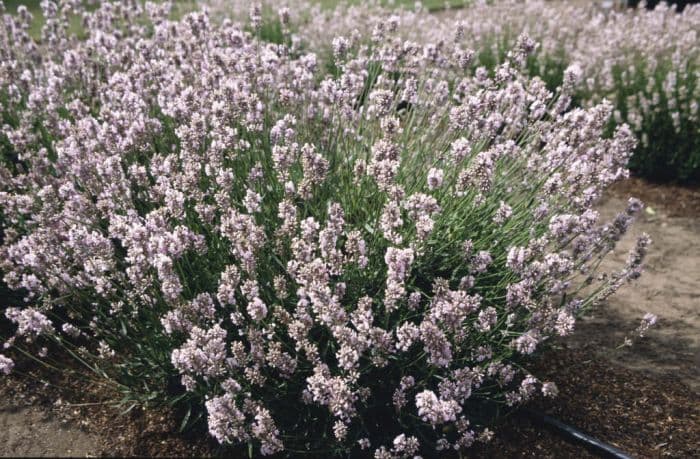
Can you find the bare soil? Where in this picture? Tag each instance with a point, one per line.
(645, 400)
(669, 287)
(32, 431)
(45, 414)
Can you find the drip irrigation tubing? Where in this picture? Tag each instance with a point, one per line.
(594, 445)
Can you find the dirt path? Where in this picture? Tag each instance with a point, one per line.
(32, 431)
(669, 288)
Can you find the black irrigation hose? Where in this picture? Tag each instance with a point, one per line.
(444, 8)
(571, 433)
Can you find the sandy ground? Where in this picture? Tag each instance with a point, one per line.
(670, 288)
(33, 432)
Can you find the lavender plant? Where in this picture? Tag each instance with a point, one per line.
(644, 61)
(208, 219)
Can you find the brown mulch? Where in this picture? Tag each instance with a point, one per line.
(644, 414)
(676, 200)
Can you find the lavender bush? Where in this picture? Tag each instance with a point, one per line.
(211, 220)
(646, 62)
